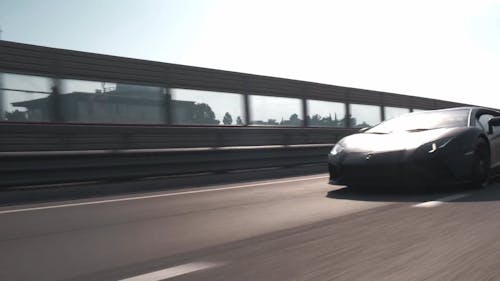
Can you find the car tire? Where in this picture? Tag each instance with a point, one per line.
(480, 165)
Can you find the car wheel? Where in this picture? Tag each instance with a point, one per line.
(481, 165)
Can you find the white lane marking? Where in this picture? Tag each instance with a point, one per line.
(172, 271)
(430, 204)
(157, 195)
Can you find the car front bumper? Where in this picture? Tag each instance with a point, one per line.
(403, 168)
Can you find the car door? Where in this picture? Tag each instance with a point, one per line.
(482, 121)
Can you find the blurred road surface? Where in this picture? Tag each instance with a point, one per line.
(296, 228)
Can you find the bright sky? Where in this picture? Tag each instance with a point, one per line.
(440, 49)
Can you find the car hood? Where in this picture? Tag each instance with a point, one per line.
(394, 141)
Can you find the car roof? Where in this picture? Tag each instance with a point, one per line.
(472, 108)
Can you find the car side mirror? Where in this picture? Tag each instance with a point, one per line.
(362, 130)
(493, 122)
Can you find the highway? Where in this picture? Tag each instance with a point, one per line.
(293, 228)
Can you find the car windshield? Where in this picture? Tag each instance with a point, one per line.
(421, 121)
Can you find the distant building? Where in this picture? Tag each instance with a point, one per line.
(126, 104)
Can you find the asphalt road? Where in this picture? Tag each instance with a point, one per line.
(287, 229)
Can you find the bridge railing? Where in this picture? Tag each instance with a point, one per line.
(37, 167)
(70, 115)
(65, 137)
(42, 84)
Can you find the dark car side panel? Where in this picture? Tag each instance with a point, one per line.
(409, 167)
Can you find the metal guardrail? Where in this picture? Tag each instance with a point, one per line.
(30, 168)
(64, 137)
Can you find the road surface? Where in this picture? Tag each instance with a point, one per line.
(296, 228)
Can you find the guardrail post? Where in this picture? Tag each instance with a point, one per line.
(2, 99)
(246, 101)
(167, 108)
(55, 105)
(305, 122)
(347, 117)
(246, 104)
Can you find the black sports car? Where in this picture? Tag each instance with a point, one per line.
(436, 147)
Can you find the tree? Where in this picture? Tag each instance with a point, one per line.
(294, 120)
(239, 121)
(16, 115)
(272, 122)
(227, 120)
(315, 120)
(202, 114)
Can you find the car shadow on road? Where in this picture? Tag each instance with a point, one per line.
(402, 194)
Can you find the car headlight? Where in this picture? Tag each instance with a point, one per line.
(337, 149)
(439, 144)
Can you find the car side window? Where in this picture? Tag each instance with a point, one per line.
(496, 129)
(483, 119)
